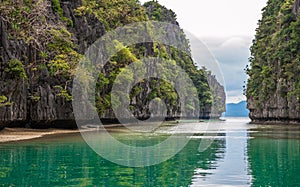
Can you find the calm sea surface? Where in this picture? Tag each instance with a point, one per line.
(238, 154)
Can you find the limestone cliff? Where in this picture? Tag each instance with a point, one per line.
(273, 90)
(35, 99)
(40, 44)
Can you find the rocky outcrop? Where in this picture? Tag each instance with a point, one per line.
(157, 12)
(275, 111)
(296, 8)
(36, 103)
(273, 88)
(219, 98)
(40, 98)
(86, 29)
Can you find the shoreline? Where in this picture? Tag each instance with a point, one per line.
(274, 122)
(9, 135)
(19, 134)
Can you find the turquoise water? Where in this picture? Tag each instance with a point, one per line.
(240, 155)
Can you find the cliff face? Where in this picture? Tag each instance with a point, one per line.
(273, 90)
(296, 7)
(211, 93)
(41, 42)
(219, 97)
(35, 98)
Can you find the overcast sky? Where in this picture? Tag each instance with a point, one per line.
(227, 27)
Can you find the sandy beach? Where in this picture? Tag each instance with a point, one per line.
(21, 134)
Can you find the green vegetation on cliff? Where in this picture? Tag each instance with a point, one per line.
(43, 41)
(114, 13)
(275, 67)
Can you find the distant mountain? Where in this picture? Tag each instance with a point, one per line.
(236, 110)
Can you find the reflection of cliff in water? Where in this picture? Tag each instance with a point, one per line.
(69, 161)
(273, 156)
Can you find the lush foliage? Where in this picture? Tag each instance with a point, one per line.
(56, 54)
(57, 8)
(114, 13)
(275, 54)
(62, 92)
(159, 88)
(4, 101)
(16, 69)
(159, 13)
(28, 21)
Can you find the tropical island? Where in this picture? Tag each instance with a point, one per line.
(273, 89)
(43, 41)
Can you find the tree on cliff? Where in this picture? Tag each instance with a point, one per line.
(42, 42)
(273, 89)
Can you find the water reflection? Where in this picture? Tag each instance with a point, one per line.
(241, 155)
(232, 170)
(274, 155)
(70, 162)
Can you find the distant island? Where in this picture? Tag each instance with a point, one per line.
(236, 110)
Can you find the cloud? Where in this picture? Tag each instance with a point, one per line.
(203, 57)
(222, 20)
(226, 58)
(232, 54)
(217, 18)
(233, 51)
